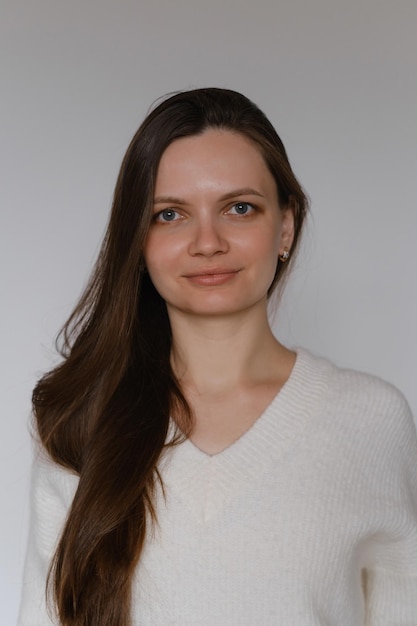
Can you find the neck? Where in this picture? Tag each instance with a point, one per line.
(217, 355)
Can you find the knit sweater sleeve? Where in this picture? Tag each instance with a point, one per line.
(391, 580)
(52, 491)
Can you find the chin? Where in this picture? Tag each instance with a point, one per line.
(217, 307)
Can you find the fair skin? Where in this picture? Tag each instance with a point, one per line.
(211, 253)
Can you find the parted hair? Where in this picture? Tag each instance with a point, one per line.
(104, 412)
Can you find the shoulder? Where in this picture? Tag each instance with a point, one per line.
(364, 426)
(366, 391)
(372, 410)
(355, 389)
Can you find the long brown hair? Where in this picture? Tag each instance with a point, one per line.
(104, 412)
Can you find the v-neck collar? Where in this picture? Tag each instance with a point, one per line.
(206, 483)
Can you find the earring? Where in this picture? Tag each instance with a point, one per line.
(284, 256)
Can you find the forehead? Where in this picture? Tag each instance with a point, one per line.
(216, 155)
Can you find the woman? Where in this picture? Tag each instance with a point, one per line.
(193, 470)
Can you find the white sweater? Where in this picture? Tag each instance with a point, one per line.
(309, 519)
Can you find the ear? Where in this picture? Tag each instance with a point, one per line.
(287, 229)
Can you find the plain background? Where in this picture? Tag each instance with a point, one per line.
(339, 81)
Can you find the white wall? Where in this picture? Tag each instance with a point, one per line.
(337, 78)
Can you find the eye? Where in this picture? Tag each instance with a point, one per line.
(167, 215)
(241, 208)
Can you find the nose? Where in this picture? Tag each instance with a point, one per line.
(208, 237)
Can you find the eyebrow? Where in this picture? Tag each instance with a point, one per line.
(235, 193)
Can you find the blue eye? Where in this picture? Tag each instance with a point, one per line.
(241, 208)
(167, 215)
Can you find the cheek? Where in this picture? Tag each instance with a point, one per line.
(151, 257)
(161, 259)
(268, 249)
(154, 253)
(265, 244)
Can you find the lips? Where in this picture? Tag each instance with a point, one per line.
(212, 276)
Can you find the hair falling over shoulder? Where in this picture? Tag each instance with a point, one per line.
(104, 412)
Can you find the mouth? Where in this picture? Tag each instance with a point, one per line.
(214, 276)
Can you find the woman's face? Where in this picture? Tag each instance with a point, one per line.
(217, 227)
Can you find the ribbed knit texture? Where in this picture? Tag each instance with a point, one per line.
(309, 519)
